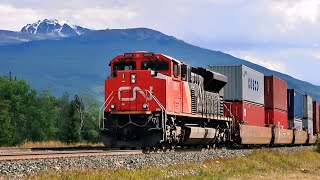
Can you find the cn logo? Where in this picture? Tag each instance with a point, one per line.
(134, 93)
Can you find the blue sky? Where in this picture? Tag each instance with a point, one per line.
(282, 35)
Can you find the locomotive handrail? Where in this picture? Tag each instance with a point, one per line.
(157, 101)
(232, 116)
(104, 107)
(228, 109)
(164, 115)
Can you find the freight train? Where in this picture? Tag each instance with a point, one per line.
(154, 100)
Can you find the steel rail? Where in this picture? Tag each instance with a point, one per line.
(64, 154)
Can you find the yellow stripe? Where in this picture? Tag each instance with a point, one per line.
(131, 112)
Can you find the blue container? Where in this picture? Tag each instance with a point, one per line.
(295, 104)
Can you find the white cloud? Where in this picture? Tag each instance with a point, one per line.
(316, 55)
(12, 18)
(301, 63)
(100, 18)
(294, 13)
(272, 64)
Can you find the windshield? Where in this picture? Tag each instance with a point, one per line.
(155, 65)
(119, 66)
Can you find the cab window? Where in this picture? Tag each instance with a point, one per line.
(120, 66)
(155, 65)
(185, 72)
(176, 69)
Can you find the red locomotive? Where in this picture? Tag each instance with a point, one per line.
(154, 100)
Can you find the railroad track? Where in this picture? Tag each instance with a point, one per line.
(66, 152)
(23, 155)
(69, 152)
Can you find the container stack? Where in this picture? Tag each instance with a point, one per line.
(316, 117)
(275, 98)
(295, 109)
(243, 94)
(307, 119)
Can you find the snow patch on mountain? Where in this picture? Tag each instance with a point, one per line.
(53, 27)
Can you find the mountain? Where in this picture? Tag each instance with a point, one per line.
(12, 37)
(53, 27)
(79, 64)
(50, 29)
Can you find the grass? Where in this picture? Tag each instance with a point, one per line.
(318, 146)
(44, 144)
(261, 164)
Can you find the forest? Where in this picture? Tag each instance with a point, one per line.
(29, 115)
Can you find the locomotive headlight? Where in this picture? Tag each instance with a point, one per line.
(153, 73)
(112, 106)
(133, 78)
(145, 106)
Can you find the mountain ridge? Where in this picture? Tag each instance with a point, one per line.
(79, 64)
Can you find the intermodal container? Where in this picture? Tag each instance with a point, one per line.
(308, 125)
(246, 112)
(244, 83)
(275, 93)
(295, 103)
(307, 107)
(277, 118)
(316, 116)
(295, 123)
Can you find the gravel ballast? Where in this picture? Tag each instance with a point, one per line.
(21, 168)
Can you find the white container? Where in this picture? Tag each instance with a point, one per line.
(307, 107)
(308, 125)
(295, 124)
(244, 83)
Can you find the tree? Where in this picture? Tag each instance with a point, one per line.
(90, 130)
(61, 124)
(44, 117)
(6, 128)
(72, 125)
(20, 95)
(26, 114)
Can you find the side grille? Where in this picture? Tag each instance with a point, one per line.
(193, 102)
(221, 108)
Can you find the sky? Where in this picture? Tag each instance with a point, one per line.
(282, 35)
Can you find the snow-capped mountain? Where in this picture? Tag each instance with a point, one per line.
(54, 28)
